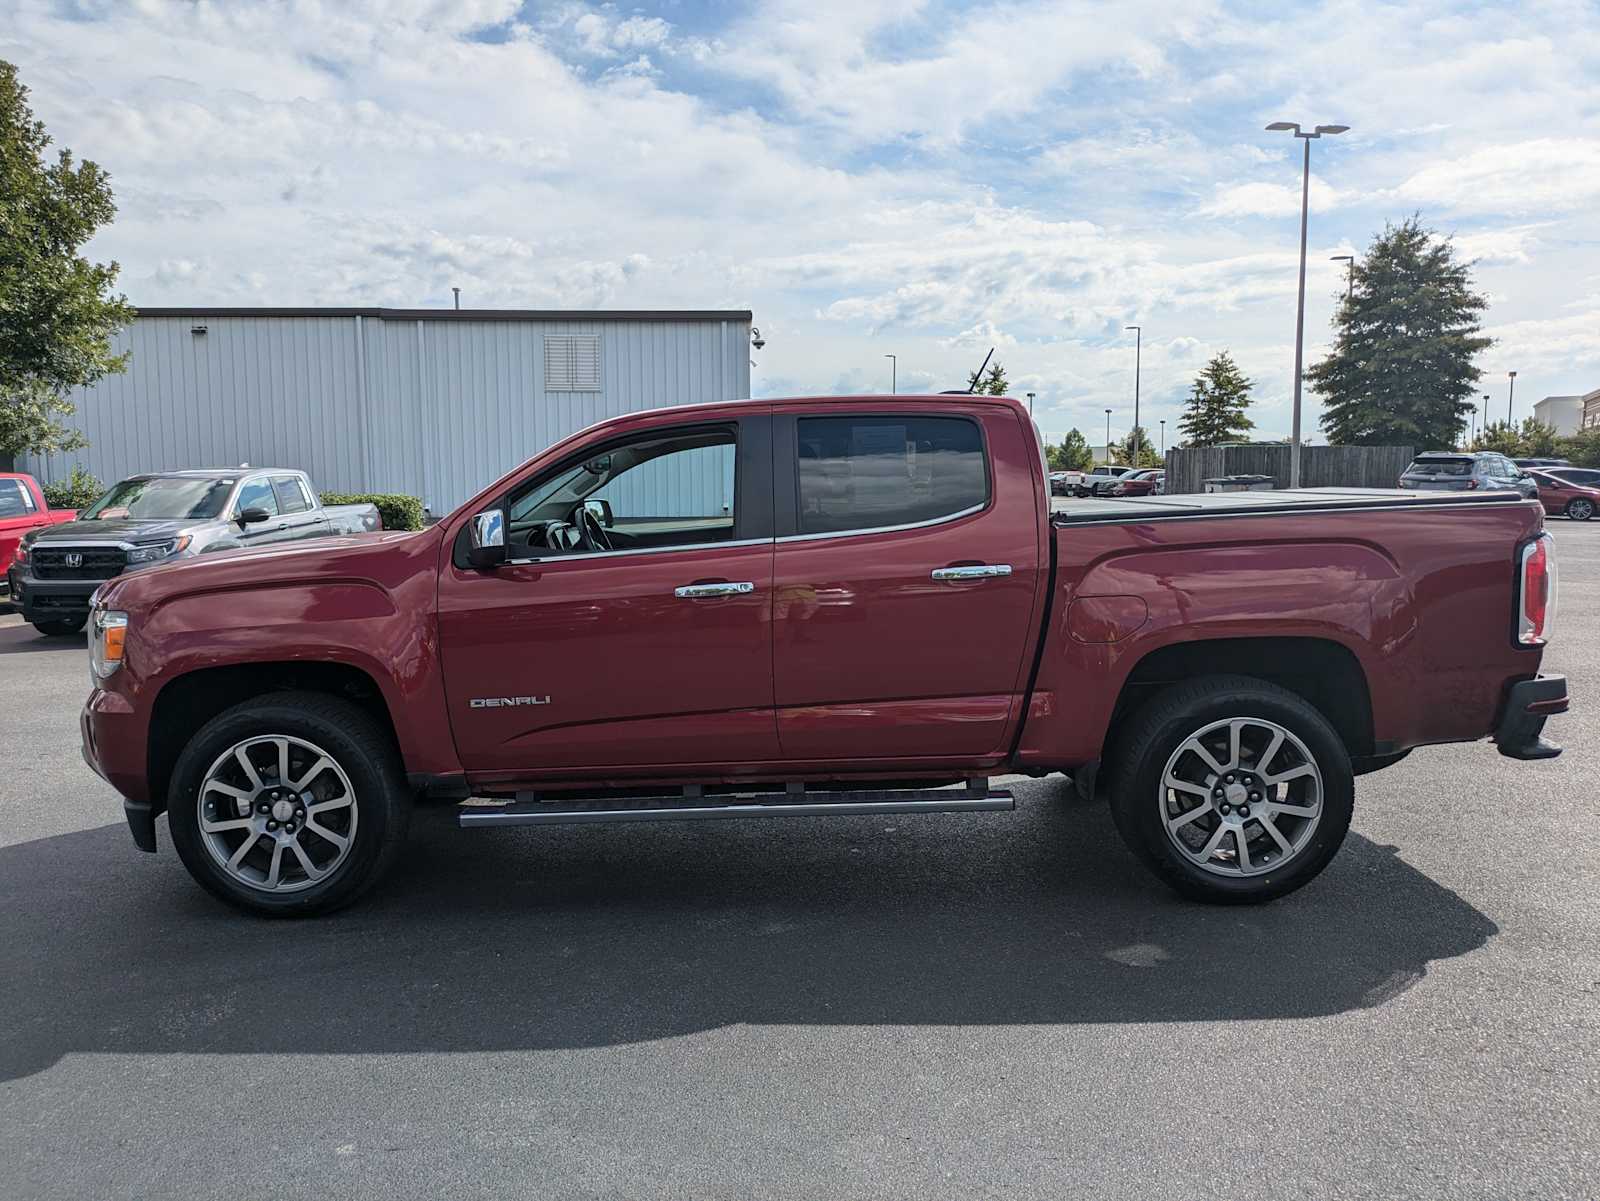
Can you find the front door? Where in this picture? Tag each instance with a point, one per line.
(907, 578)
(257, 494)
(631, 632)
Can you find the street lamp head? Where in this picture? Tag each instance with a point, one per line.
(1512, 374)
(1333, 129)
(1341, 258)
(1280, 126)
(1132, 327)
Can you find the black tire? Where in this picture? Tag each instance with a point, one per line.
(1580, 509)
(1156, 731)
(61, 629)
(359, 747)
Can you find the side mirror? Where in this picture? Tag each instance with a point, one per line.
(253, 516)
(486, 539)
(602, 511)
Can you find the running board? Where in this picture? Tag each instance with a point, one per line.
(978, 797)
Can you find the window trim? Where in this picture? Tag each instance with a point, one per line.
(786, 467)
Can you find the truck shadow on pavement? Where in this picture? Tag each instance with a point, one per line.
(592, 936)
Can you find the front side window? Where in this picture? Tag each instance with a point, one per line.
(257, 494)
(859, 473)
(663, 489)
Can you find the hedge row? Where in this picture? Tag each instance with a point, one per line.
(399, 512)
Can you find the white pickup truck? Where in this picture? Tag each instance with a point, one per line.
(1096, 482)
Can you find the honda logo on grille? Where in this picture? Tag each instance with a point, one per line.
(73, 559)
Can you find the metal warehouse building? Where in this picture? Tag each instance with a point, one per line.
(431, 402)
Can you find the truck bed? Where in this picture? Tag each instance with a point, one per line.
(1093, 511)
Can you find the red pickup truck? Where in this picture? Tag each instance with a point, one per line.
(22, 510)
(824, 606)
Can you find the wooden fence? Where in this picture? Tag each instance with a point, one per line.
(1320, 466)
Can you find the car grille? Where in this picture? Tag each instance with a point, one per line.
(77, 562)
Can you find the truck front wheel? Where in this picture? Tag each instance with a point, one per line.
(1232, 790)
(61, 629)
(288, 805)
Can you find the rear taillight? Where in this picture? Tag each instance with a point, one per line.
(1536, 591)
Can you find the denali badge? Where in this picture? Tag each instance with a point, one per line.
(506, 702)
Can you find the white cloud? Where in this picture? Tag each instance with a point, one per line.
(1545, 175)
(1268, 200)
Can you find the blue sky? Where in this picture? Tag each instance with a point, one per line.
(923, 179)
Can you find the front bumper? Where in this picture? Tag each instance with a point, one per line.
(1520, 732)
(113, 746)
(50, 600)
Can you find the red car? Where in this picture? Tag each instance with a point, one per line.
(865, 606)
(1567, 497)
(22, 510)
(1138, 483)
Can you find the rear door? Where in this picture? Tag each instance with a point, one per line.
(298, 515)
(907, 572)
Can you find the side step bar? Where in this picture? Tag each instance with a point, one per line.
(977, 797)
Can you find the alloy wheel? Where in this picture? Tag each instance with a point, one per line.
(277, 813)
(1241, 796)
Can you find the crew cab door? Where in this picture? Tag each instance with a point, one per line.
(299, 516)
(908, 575)
(654, 655)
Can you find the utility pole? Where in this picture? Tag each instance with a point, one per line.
(1138, 352)
(1300, 311)
(1349, 261)
(894, 371)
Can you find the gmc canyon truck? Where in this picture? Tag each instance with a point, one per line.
(151, 519)
(870, 609)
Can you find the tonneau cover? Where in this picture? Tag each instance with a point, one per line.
(1225, 504)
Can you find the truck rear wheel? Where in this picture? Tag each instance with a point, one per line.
(289, 805)
(1232, 790)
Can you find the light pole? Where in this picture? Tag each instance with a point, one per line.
(457, 291)
(1511, 395)
(1030, 404)
(1485, 416)
(1349, 261)
(1108, 435)
(1300, 312)
(1163, 437)
(1138, 351)
(894, 372)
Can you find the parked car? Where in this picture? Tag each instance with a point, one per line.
(1542, 462)
(1565, 497)
(22, 511)
(1139, 483)
(1466, 471)
(148, 520)
(882, 620)
(1098, 481)
(1587, 476)
(1058, 483)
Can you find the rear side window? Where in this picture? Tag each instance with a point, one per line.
(1461, 467)
(1577, 476)
(859, 473)
(291, 497)
(15, 499)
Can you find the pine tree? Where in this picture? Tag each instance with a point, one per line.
(1215, 410)
(1072, 455)
(1401, 370)
(993, 384)
(1135, 450)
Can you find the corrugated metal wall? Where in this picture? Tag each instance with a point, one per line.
(432, 406)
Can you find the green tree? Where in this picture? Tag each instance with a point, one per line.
(992, 384)
(1135, 450)
(1539, 441)
(1215, 410)
(1583, 447)
(1500, 436)
(1401, 371)
(57, 312)
(1072, 455)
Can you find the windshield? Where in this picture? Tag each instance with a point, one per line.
(1440, 467)
(161, 498)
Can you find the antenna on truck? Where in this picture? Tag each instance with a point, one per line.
(978, 379)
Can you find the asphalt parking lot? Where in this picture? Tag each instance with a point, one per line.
(957, 1006)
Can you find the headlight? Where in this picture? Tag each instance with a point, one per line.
(107, 634)
(157, 551)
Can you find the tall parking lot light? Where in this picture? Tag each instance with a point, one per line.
(1300, 312)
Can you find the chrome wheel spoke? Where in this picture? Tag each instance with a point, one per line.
(1294, 773)
(1195, 745)
(222, 827)
(1235, 733)
(283, 760)
(277, 864)
(1183, 819)
(243, 850)
(321, 831)
(338, 802)
(311, 870)
(1241, 848)
(1263, 763)
(1204, 853)
(242, 755)
(238, 794)
(311, 773)
(1271, 828)
(1179, 785)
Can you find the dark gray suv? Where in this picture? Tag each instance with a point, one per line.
(1463, 471)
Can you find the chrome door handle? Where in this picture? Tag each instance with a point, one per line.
(696, 591)
(981, 572)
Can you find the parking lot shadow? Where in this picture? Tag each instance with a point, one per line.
(19, 639)
(590, 936)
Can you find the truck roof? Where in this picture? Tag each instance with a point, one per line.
(210, 473)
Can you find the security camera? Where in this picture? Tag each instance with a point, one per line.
(756, 339)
